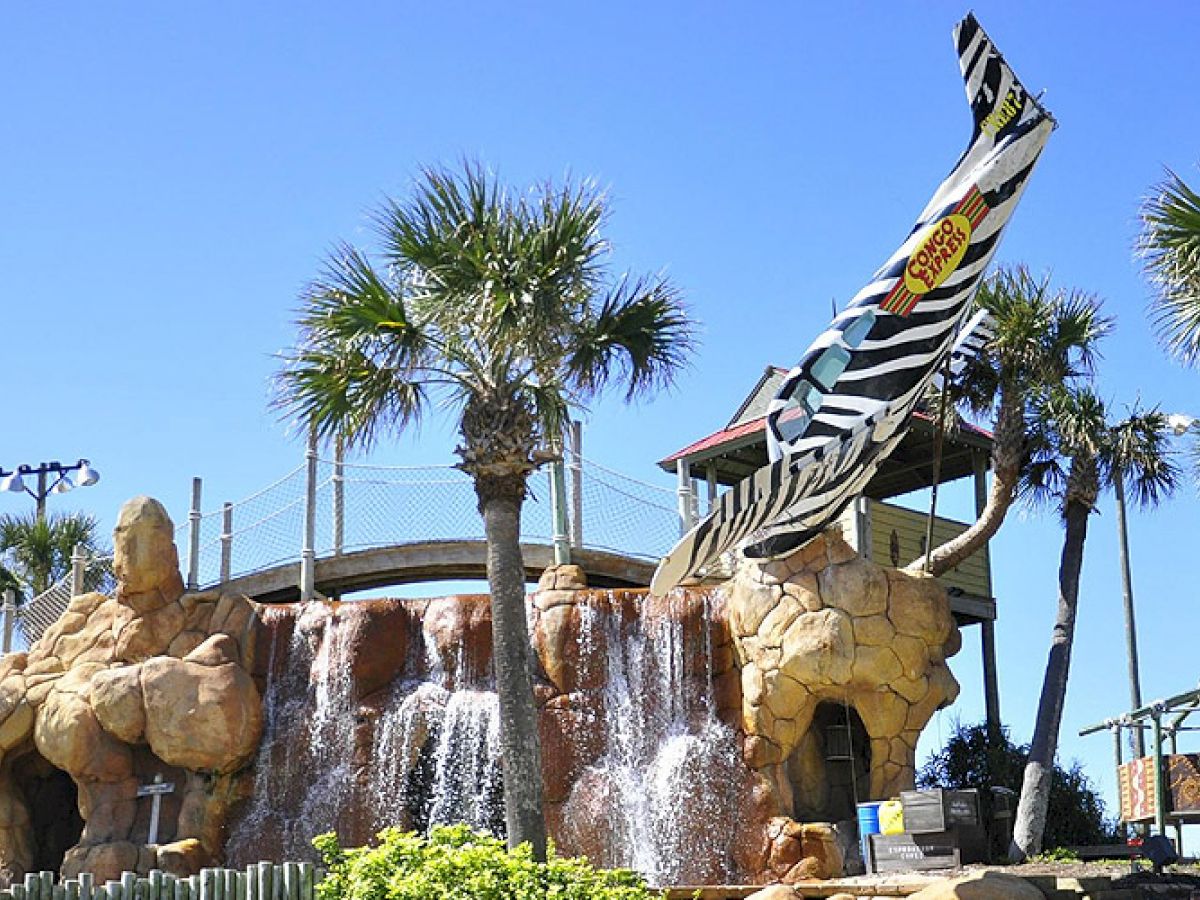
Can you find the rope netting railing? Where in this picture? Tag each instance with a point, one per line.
(362, 506)
(42, 611)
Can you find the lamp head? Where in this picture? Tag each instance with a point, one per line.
(87, 475)
(12, 483)
(1179, 423)
(63, 485)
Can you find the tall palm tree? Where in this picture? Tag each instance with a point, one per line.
(501, 306)
(1170, 245)
(39, 550)
(1072, 429)
(1042, 337)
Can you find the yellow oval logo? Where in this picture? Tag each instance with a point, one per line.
(938, 253)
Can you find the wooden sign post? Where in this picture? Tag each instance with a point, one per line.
(155, 791)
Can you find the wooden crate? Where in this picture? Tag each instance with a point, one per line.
(927, 812)
(904, 852)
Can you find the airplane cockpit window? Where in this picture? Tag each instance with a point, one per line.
(801, 407)
(827, 367)
(856, 331)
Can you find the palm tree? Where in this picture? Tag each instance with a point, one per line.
(1072, 428)
(1170, 245)
(40, 549)
(1042, 337)
(500, 306)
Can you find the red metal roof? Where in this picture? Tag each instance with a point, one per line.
(728, 435)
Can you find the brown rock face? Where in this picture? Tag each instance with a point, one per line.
(104, 701)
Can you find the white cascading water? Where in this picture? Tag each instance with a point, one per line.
(669, 763)
(304, 767)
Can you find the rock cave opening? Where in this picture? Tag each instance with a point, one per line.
(830, 769)
(52, 800)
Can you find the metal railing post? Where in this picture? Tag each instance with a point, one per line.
(194, 516)
(226, 541)
(685, 499)
(575, 470)
(558, 509)
(1160, 783)
(10, 618)
(339, 498)
(79, 558)
(308, 552)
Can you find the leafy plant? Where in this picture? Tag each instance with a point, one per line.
(1076, 815)
(1057, 855)
(460, 864)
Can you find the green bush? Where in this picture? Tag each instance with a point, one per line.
(1076, 814)
(457, 863)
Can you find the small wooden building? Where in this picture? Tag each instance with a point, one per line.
(888, 534)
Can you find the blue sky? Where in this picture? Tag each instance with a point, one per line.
(174, 174)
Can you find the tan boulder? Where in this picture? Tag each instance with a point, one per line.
(145, 560)
(749, 603)
(68, 734)
(183, 858)
(204, 718)
(873, 631)
(105, 861)
(918, 606)
(17, 728)
(981, 886)
(562, 578)
(775, 892)
(218, 650)
(818, 648)
(150, 634)
(859, 587)
(116, 698)
(875, 666)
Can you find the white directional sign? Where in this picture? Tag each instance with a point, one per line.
(155, 789)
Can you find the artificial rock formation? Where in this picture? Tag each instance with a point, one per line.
(826, 627)
(152, 681)
(659, 716)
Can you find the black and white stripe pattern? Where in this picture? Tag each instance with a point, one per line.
(846, 405)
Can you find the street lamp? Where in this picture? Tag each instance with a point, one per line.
(52, 477)
(1177, 424)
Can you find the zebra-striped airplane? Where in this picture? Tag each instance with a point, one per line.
(848, 402)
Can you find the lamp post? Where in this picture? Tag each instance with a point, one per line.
(1178, 424)
(52, 478)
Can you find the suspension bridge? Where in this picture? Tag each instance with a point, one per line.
(330, 527)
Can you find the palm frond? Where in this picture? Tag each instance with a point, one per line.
(641, 334)
(1138, 451)
(1170, 247)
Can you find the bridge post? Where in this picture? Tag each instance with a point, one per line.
(687, 500)
(226, 541)
(308, 552)
(575, 470)
(339, 497)
(10, 618)
(558, 510)
(79, 558)
(194, 516)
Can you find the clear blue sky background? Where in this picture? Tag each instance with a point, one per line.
(174, 173)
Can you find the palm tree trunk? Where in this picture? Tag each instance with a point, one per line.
(1030, 825)
(1008, 445)
(500, 499)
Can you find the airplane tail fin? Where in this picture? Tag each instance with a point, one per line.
(1000, 104)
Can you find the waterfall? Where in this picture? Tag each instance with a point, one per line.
(668, 767)
(423, 749)
(303, 773)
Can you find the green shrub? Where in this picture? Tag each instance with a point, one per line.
(457, 863)
(1076, 814)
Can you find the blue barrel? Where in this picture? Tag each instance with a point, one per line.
(868, 824)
